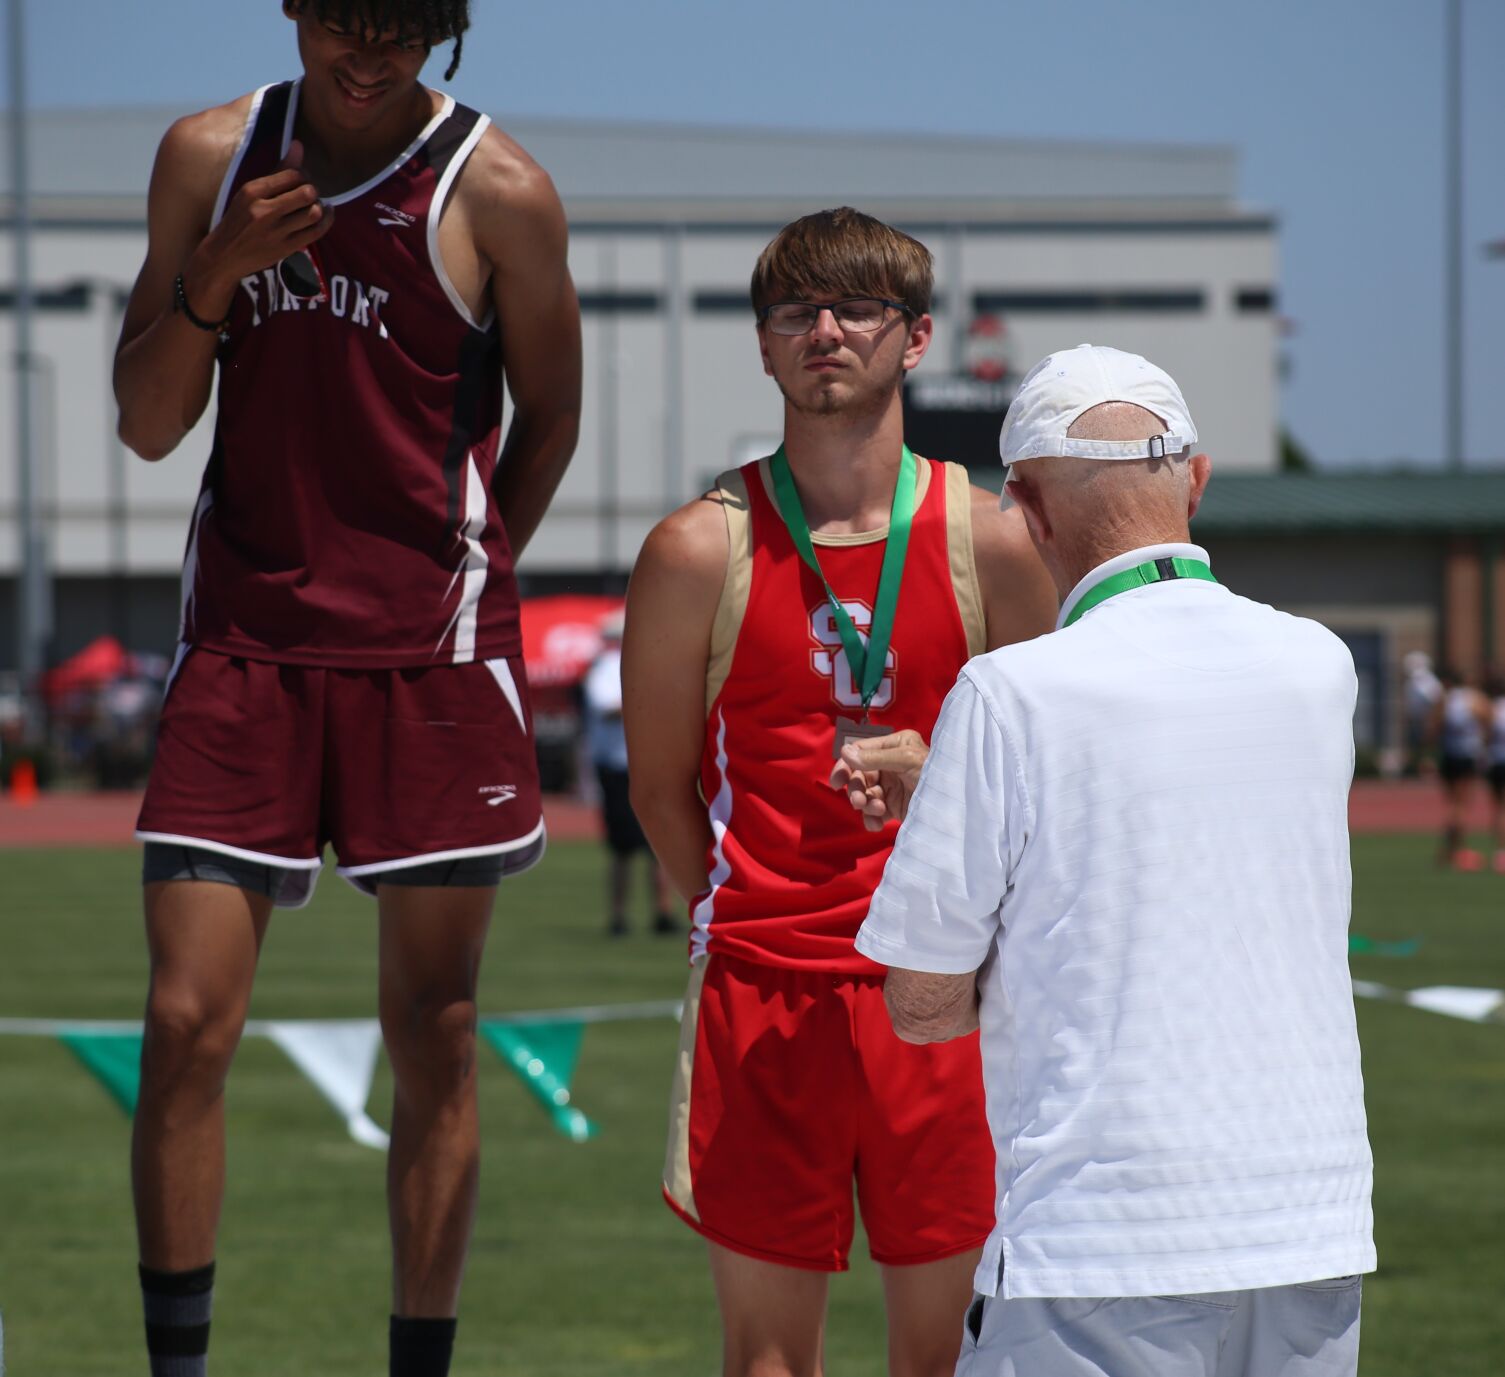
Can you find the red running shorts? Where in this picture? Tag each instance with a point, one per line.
(790, 1086)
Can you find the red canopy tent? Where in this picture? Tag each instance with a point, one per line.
(562, 635)
(97, 663)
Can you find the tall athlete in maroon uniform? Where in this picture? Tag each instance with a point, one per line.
(790, 1084)
(359, 255)
(374, 412)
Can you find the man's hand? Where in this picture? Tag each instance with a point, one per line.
(265, 221)
(930, 1008)
(879, 774)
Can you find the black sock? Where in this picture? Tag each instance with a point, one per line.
(420, 1347)
(177, 1306)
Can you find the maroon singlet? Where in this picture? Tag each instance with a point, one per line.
(346, 517)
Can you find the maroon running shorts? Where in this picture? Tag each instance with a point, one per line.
(393, 767)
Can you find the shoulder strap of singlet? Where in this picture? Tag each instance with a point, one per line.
(731, 491)
(964, 581)
(460, 130)
(260, 148)
(446, 151)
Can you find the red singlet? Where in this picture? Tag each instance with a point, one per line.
(346, 517)
(792, 868)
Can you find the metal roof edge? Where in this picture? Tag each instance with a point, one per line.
(1355, 502)
(638, 128)
(759, 213)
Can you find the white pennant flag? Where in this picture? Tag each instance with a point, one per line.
(1478, 1006)
(1457, 1001)
(338, 1056)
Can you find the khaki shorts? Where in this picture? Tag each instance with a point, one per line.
(1307, 1330)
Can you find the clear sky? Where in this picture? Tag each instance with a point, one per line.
(1335, 105)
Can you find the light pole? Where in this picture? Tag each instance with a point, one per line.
(114, 296)
(31, 601)
(1453, 343)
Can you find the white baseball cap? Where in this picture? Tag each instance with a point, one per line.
(1063, 385)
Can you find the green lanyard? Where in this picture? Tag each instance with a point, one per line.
(866, 660)
(1154, 571)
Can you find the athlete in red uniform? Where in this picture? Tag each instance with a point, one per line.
(358, 254)
(829, 591)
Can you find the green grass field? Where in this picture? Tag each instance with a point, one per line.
(577, 1268)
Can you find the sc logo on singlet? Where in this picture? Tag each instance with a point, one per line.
(832, 663)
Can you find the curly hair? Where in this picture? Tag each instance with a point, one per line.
(433, 21)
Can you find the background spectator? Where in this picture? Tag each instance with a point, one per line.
(606, 742)
(1460, 722)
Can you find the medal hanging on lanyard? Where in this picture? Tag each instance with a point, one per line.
(865, 660)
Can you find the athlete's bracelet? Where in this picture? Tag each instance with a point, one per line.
(180, 304)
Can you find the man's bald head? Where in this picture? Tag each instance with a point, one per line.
(1091, 509)
(1116, 421)
(1137, 480)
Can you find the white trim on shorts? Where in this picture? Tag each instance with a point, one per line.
(294, 890)
(204, 844)
(355, 872)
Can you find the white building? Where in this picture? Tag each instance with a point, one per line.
(1141, 246)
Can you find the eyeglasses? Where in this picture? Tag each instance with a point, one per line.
(862, 314)
(301, 276)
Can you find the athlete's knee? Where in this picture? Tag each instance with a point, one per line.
(937, 1359)
(431, 1043)
(757, 1343)
(769, 1362)
(188, 1044)
(927, 1343)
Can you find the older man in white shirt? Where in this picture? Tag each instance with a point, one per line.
(1127, 859)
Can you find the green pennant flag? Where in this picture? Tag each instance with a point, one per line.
(115, 1061)
(543, 1056)
(1371, 947)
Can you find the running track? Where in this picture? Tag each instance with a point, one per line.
(107, 819)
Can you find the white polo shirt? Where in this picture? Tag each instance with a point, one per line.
(1137, 827)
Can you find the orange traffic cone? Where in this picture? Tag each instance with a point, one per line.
(23, 783)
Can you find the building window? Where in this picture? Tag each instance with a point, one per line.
(75, 296)
(1098, 301)
(1247, 300)
(723, 303)
(620, 303)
